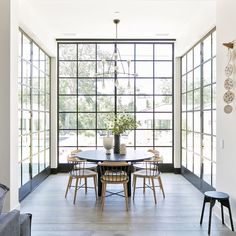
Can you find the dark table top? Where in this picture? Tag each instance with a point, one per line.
(100, 155)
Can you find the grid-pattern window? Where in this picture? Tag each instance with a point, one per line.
(85, 99)
(33, 111)
(199, 109)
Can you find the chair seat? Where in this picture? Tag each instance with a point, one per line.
(146, 173)
(139, 166)
(216, 195)
(82, 173)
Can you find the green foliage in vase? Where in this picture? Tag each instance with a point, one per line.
(120, 123)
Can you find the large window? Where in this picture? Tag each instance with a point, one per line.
(199, 109)
(84, 101)
(33, 111)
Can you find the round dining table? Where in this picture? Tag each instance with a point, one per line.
(131, 156)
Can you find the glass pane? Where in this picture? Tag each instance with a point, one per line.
(144, 52)
(197, 165)
(86, 86)
(207, 97)
(207, 171)
(144, 69)
(86, 52)
(163, 86)
(101, 120)
(190, 141)
(67, 120)
(207, 122)
(197, 55)
(35, 165)
(214, 122)
(163, 120)
(67, 86)
(163, 51)
(106, 86)
(145, 119)
(197, 121)
(184, 83)
(197, 78)
(184, 161)
(163, 103)
(125, 103)
(26, 48)
(67, 69)
(25, 146)
(197, 99)
(163, 69)
(190, 101)
(86, 138)
(189, 61)
(105, 51)
(41, 161)
(184, 102)
(126, 51)
(67, 51)
(126, 86)
(35, 143)
(67, 103)
(86, 121)
(190, 121)
(183, 63)
(184, 121)
(214, 70)
(128, 138)
(190, 81)
(147, 138)
(86, 69)
(166, 153)
(67, 138)
(144, 86)
(163, 137)
(207, 73)
(105, 103)
(190, 161)
(197, 143)
(207, 146)
(144, 103)
(207, 48)
(86, 103)
(25, 171)
(214, 96)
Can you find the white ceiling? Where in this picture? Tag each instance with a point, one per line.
(50, 19)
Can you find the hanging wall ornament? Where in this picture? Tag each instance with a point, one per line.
(228, 83)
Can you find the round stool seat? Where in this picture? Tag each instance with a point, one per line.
(216, 195)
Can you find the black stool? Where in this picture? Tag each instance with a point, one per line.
(223, 198)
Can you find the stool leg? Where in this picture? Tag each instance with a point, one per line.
(212, 203)
(231, 220)
(222, 214)
(203, 209)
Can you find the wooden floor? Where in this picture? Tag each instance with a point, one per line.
(177, 214)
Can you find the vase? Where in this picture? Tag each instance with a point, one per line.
(116, 143)
(108, 144)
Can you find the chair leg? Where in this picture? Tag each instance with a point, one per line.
(76, 188)
(134, 187)
(212, 203)
(154, 191)
(86, 187)
(95, 185)
(103, 194)
(126, 195)
(161, 186)
(203, 209)
(144, 184)
(222, 214)
(231, 220)
(68, 185)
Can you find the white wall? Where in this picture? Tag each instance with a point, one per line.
(8, 100)
(226, 123)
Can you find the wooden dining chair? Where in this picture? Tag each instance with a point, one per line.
(78, 172)
(114, 173)
(151, 173)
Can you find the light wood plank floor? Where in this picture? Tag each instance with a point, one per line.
(177, 214)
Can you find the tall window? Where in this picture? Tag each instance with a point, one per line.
(84, 102)
(33, 111)
(199, 109)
